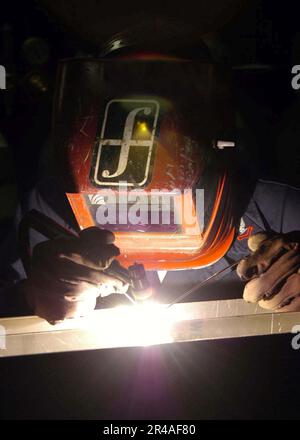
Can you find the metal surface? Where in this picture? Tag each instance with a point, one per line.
(127, 327)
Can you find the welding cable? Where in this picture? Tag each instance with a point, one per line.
(202, 283)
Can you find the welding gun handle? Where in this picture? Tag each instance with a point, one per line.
(42, 224)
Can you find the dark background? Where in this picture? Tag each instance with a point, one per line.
(261, 42)
(249, 378)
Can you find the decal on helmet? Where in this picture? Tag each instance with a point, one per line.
(126, 148)
(244, 231)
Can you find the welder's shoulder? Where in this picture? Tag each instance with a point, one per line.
(279, 203)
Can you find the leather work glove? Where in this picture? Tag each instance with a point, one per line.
(272, 271)
(67, 275)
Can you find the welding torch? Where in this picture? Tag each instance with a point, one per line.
(135, 276)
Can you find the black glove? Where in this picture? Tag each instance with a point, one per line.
(272, 271)
(67, 275)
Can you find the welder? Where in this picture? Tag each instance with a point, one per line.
(180, 137)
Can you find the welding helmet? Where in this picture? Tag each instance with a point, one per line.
(143, 143)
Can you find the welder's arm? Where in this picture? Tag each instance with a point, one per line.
(272, 271)
(67, 275)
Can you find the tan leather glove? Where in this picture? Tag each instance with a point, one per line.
(272, 271)
(67, 275)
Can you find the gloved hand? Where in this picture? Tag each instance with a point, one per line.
(272, 271)
(67, 275)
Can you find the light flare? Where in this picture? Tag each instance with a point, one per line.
(140, 325)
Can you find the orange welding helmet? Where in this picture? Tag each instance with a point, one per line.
(143, 144)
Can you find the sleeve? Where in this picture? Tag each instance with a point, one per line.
(11, 272)
(49, 199)
(279, 204)
(291, 210)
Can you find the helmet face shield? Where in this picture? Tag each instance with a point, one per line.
(134, 139)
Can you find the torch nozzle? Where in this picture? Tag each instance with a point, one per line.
(141, 288)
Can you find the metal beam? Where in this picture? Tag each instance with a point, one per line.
(135, 326)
